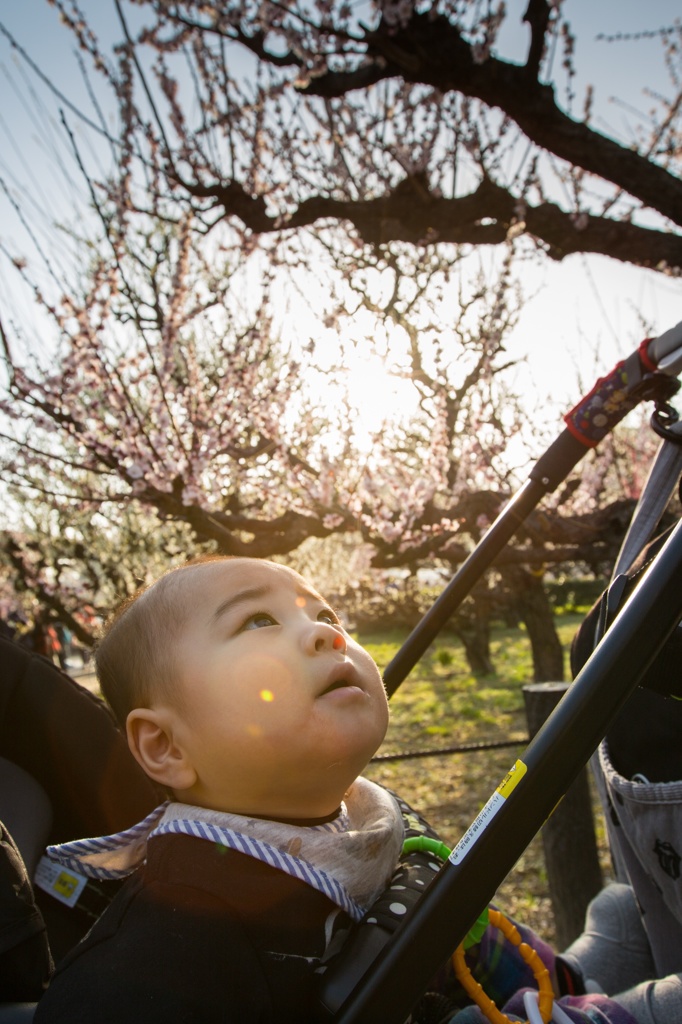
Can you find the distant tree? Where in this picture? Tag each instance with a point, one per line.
(74, 565)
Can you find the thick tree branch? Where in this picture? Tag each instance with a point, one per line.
(237, 533)
(593, 538)
(433, 52)
(410, 213)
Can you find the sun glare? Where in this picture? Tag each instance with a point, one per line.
(375, 392)
(380, 397)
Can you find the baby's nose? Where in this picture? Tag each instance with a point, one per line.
(325, 637)
(338, 643)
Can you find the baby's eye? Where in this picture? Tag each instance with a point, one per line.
(327, 615)
(258, 621)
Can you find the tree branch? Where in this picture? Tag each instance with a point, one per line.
(411, 213)
(537, 16)
(433, 52)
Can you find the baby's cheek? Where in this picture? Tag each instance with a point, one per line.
(264, 676)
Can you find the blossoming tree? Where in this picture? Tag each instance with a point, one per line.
(262, 146)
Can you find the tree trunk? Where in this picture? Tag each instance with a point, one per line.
(471, 624)
(475, 637)
(536, 613)
(568, 836)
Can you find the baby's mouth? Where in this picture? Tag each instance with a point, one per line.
(341, 677)
(338, 685)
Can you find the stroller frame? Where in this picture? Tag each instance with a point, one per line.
(397, 968)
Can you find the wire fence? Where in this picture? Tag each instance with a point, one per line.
(462, 748)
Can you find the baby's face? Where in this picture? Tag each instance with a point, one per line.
(280, 709)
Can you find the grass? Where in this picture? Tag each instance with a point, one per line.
(443, 704)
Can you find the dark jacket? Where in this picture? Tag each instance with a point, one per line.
(199, 934)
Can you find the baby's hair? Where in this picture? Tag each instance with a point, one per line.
(135, 657)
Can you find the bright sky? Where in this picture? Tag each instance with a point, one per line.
(587, 308)
(583, 311)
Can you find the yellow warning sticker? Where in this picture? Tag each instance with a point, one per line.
(65, 884)
(486, 815)
(512, 779)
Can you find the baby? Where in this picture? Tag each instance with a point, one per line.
(241, 694)
(240, 691)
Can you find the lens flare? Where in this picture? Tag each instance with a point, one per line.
(301, 602)
(267, 696)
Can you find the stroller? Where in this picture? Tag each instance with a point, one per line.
(65, 770)
(92, 786)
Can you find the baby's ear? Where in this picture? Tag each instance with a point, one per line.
(151, 741)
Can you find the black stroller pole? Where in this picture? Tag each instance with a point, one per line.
(550, 470)
(393, 983)
(379, 975)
